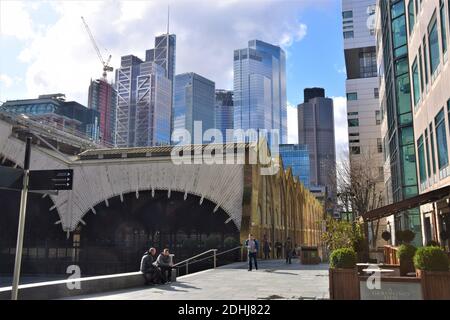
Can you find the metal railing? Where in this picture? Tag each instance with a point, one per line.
(188, 262)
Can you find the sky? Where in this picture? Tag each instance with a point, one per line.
(44, 47)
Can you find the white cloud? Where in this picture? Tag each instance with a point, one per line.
(6, 80)
(340, 126)
(60, 56)
(292, 123)
(15, 21)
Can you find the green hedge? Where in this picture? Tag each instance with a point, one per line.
(431, 259)
(344, 258)
(406, 252)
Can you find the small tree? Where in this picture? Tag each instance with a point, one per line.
(341, 234)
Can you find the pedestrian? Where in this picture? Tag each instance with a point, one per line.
(165, 264)
(278, 247)
(252, 248)
(288, 250)
(266, 249)
(150, 272)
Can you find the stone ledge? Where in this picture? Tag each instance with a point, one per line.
(59, 289)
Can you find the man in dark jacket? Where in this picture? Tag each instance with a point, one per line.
(164, 263)
(149, 271)
(252, 246)
(288, 250)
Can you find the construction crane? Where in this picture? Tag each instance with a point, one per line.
(106, 66)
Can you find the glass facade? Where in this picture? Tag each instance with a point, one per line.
(224, 111)
(53, 110)
(399, 137)
(260, 88)
(194, 101)
(296, 157)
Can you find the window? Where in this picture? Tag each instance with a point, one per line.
(376, 93)
(353, 123)
(368, 64)
(421, 70)
(433, 44)
(352, 113)
(443, 28)
(355, 150)
(379, 145)
(352, 96)
(348, 34)
(422, 168)
(433, 156)
(441, 139)
(411, 16)
(416, 85)
(427, 149)
(425, 60)
(347, 14)
(377, 117)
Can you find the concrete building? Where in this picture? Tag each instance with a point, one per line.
(363, 108)
(224, 111)
(428, 41)
(53, 110)
(144, 100)
(194, 101)
(260, 88)
(103, 98)
(316, 130)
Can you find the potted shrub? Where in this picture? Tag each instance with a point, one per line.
(405, 255)
(432, 265)
(343, 276)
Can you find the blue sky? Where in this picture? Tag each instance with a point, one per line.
(44, 46)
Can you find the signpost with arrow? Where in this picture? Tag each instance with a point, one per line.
(26, 180)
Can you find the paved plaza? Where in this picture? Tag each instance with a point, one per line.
(273, 280)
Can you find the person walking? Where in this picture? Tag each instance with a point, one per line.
(278, 247)
(252, 248)
(288, 250)
(266, 249)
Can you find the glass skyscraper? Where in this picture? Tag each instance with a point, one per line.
(144, 102)
(260, 88)
(296, 156)
(224, 111)
(194, 101)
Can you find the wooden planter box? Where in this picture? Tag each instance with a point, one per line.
(344, 284)
(435, 285)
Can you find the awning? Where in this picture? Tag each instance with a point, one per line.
(414, 202)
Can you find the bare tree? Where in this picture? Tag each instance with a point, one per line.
(360, 189)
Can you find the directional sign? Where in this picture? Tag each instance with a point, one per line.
(11, 178)
(51, 179)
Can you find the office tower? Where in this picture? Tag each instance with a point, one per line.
(428, 39)
(163, 56)
(397, 114)
(363, 109)
(54, 110)
(316, 130)
(224, 111)
(260, 88)
(296, 156)
(103, 98)
(194, 101)
(144, 102)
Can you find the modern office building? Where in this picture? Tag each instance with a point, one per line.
(144, 99)
(194, 101)
(428, 27)
(224, 111)
(400, 171)
(103, 98)
(260, 88)
(54, 110)
(316, 130)
(363, 109)
(296, 157)
(164, 54)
